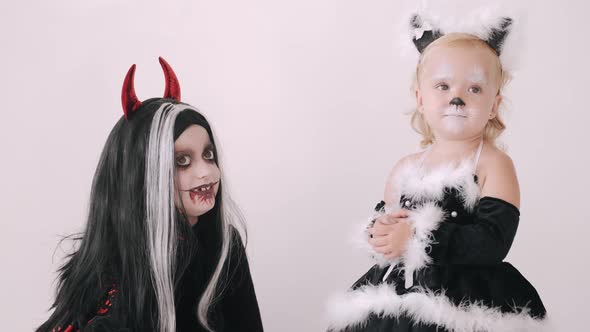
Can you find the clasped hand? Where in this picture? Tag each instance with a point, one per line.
(390, 234)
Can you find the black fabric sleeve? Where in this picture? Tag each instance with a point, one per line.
(239, 304)
(486, 241)
(380, 207)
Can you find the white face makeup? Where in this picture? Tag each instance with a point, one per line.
(197, 174)
(466, 76)
(443, 73)
(455, 119)
(478, 76)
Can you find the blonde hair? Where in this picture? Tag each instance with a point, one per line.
(495, 126)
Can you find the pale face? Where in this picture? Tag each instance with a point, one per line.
(458, 91)
(197, 174)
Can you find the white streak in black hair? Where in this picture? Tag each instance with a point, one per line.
(160, 212)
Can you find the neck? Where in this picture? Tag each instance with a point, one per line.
(193, 220)
(456, 149)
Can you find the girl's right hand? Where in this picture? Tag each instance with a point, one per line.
(392, 218)
(390, 234)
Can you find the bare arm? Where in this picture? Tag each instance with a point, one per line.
(391, 194)
(501, 181)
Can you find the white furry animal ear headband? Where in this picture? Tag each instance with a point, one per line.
(425, 33)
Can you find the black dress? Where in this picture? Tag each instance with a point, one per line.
(235, 311)
(452, 276)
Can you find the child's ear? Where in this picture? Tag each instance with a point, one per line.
(496, 106)
(419, 104)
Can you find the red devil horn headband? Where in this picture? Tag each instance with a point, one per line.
(129, 98)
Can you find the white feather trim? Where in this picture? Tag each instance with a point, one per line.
(424, 221)
(427, 186)
(354, 307)
(422, 185)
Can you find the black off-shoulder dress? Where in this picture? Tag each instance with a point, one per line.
(452, 276)
(235, 311)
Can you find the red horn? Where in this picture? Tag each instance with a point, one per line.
(128, 96)
(172, 86)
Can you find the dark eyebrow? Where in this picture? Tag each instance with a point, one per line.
(208, 146)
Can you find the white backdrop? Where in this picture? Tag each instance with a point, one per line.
(308, 100)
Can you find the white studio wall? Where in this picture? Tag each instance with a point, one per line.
(308, 101)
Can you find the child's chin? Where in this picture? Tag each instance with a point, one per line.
(201, 210)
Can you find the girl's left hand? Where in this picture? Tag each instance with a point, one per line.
(391, 238)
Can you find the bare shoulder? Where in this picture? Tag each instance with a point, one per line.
(498, 174)
(391, 196)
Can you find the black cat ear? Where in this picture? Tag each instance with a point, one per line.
(424, 34)
(498, 34)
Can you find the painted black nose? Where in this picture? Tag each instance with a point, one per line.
(457, 102)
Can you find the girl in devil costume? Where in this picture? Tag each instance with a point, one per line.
(450, 213)
(161, 250)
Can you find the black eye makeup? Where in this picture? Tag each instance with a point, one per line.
(185, 157)
(209, 154)
(183, 160)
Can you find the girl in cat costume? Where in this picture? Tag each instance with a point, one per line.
(450, 213)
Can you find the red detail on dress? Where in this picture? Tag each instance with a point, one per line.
(102, 310)
(69, 328)
(108, 303)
